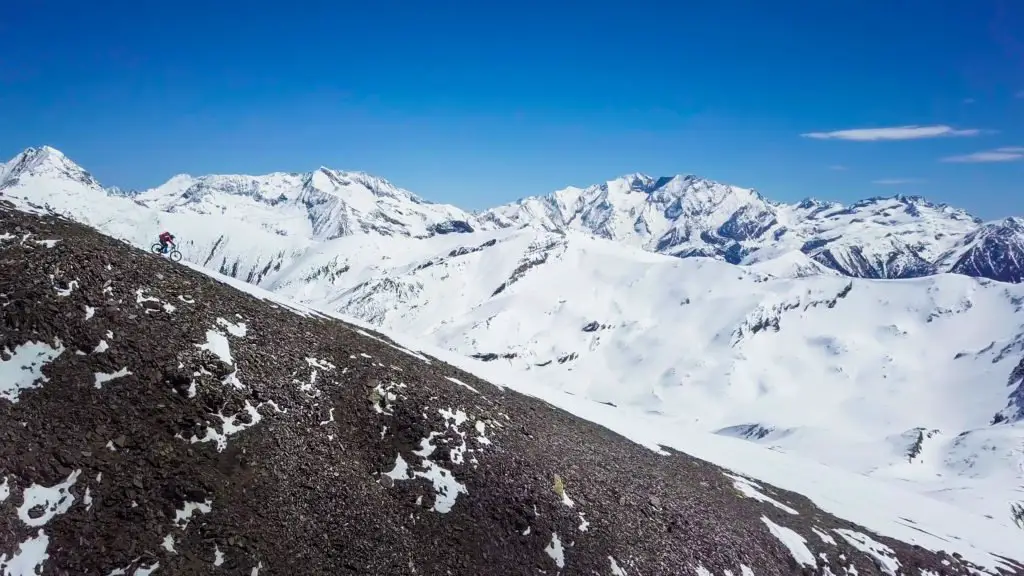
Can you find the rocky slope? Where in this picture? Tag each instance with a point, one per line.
(157, 421)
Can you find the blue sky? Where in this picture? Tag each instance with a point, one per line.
(478, 103)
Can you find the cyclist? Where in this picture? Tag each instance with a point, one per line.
(165, 239)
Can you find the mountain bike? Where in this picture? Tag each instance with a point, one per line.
(173, 253)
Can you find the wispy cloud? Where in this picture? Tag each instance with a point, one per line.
(897, 181)
(969, 100)
(892, 133)
(838, 167)
(1004, 154)
(1020, 94)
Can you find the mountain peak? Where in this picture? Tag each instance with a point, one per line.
(41, 161)
(42, 151)
(1013, 222)
(34, 156)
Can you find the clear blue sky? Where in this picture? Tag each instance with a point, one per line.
(478, 103)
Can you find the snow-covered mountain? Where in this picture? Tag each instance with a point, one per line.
(915, 381)
(243, 226)
(897, 237)
(683, 216)
(320, 205)
(991, 251)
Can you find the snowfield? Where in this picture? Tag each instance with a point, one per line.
(898, 390)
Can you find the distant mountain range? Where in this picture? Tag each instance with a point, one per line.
(683, 216)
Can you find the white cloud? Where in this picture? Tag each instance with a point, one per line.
(897, 181)
(839, 167)
(1004, 154)
(892, 133)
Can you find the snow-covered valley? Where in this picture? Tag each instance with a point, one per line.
(623, 296)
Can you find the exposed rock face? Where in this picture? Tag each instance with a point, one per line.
(154, 420)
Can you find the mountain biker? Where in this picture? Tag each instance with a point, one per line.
(165, 239)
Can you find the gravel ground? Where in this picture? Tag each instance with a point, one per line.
(189, 428)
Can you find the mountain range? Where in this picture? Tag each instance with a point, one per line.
(884, 338)
(682, 216)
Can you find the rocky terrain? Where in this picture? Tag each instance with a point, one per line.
(154, 420)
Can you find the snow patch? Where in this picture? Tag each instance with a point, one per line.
(750, 490)
(229, 427)
(217, 343)
(65, 292)
(330, 417)
(102, 378)
(796, 543)
(184, 514)
(25, 367)
(555, 551)
(29, 559)
(235, 329)
(218, 556)
(399, 348)
(481, 429)
(461, 383)
(825, 537)
(42, 503)
(446, 487)
(883, 556)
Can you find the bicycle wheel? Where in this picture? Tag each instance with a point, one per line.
(175, 256)
(157, 248)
